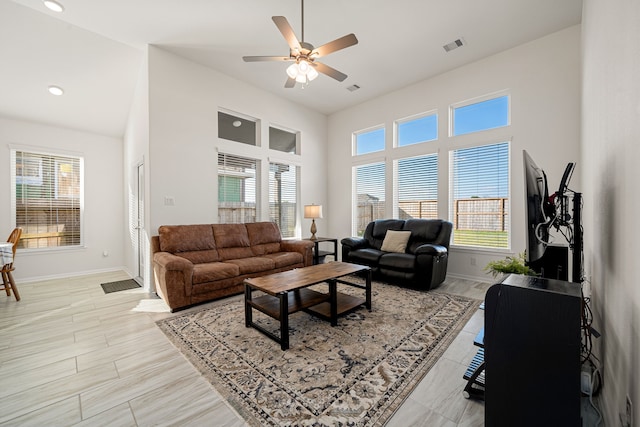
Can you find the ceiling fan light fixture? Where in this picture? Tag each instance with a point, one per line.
(312, 74)
(292, 70)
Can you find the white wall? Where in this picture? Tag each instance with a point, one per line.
(184, 99)
(543, 79)
(102, 200)
(610, 153)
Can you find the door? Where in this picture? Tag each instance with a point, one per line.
(140, 224)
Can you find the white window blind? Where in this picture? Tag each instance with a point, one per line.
(237, 189)
(480, 195)
(369, 195)
(417, 187)
(47, 199)
(283, 190)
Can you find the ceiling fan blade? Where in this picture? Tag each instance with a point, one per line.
(337, 44)
(329, 71)
(266, 58)
(290, 83)
(286, 30)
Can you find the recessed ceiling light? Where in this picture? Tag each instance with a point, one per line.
(55, 90)
(54, 5)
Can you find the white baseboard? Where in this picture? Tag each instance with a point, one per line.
(484, 279)
(73, 274)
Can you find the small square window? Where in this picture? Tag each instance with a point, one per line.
(239, 129)
(369, 142)
(282, 140)
(418, 130)
(490, 114)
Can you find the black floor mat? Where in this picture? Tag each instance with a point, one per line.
(121, 285)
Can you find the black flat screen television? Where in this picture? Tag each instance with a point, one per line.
(537, 209)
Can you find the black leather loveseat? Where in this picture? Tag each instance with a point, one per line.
(422, 262)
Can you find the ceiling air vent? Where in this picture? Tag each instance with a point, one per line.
(454, 45)
(353, 88)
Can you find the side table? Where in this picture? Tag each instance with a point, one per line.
(318, 254)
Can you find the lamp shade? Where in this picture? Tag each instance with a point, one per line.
(313, 211)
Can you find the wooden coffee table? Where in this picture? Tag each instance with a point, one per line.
(287, 292)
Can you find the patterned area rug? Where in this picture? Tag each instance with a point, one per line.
(355, 374)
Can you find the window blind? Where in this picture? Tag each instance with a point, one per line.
(417, 187)
(283, 190)
(48, 199)
(369, 195)
(479, 185)
(237, 189)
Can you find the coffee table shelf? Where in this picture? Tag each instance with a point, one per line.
(297, 300)
(345, 303)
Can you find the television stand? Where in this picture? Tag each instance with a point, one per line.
(475, 372)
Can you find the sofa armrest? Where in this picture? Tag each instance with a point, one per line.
(354, 243)
(304, 247)
(429, 249)
(174, 278)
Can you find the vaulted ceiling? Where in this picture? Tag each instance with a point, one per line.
(94, 49)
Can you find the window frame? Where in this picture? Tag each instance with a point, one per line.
(396, 182)
(397, 123)
(354, 143)
(54, 157)
(509, 210)
(478, 100)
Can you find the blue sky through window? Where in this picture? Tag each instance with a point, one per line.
(418, 130)
(369, 142)
(489, 114)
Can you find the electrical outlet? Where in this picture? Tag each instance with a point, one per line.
(473, 261)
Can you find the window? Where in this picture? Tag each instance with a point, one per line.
(282, 140)
(369, 142)
(418, 130)
(47, 199)
(417, 187)
(236, 128)
(480, 195)
(489, 114)
(283, 192)
(369, 195)
(237, 189)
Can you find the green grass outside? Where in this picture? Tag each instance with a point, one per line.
(495, 239)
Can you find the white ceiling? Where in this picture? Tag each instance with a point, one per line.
(94, 48)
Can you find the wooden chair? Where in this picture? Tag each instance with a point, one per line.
(7, 278)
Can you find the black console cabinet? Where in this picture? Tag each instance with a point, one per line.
(532, 352)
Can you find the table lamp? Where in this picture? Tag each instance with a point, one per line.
(313, 212)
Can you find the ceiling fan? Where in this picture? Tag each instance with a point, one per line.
(303, 55)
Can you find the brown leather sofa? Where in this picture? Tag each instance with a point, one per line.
(198, 263)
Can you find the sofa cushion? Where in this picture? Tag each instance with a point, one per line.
(212, 271)
(188, 238)
(264, 237)
(395, 241)
(232, 241)
(422, 231)
(285, 259)
(394, 261)
(366, 256)
(200, 257)
(253, 264)
(376, 230)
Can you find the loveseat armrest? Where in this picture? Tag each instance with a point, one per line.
(351, 244)
(429, 249)
(354, 243)
(174, 279)
(304, 247)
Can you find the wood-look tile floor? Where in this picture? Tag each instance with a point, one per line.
(72, 356)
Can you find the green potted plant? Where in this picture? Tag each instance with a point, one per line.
(511, 264)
